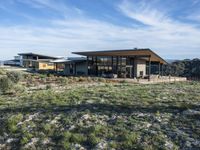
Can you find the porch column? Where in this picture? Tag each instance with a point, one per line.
(159, 69)
(117, 61)
(149, 67)
(87, 66)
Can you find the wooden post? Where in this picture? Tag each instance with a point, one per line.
(159, 69)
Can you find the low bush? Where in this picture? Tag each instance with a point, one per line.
(92, 140)
(14, 76)
(48, 87)
(77, 138)
(2, 72)
(18, 89)
(12, 122)
(62, 80)
(5, 84)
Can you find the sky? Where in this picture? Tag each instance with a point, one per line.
(171, 28)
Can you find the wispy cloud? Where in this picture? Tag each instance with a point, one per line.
(54, 6)
(162, 33)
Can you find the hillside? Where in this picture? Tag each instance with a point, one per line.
(48, 112)
(184, 68)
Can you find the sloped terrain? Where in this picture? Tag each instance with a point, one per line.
(101, 115)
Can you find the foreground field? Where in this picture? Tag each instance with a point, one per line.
(100, 115)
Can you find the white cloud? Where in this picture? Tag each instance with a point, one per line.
(168, 37)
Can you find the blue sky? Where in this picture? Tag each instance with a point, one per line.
(57, 27)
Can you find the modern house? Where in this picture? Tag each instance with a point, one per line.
(37, 62)
(128, 63)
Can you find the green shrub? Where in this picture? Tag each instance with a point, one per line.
(63, 80)
(12, 122)
(48, 87)
(102, 80)
(26, 138)
(5, 84)
(48, 129)
(129, 140)
(2, 72)
(14, 76)
(18, 88)
(92, 140)
(82, 79)
(77, 138)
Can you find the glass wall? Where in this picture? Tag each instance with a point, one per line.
(98, 65)
(154, 68)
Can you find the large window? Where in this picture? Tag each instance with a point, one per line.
(104, 64)
(92, 65)
(154, 68)
(98, 65)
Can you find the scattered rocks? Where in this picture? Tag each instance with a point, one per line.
(77, 147)
(191, 112)
(101, 146)
(169, 145)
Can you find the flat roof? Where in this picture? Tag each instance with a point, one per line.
(125, 52)
(40, 55)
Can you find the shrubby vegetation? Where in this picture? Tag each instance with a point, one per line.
(185, 68)
(14, 76)
(5, 84)
(50, 112)
(8, 80)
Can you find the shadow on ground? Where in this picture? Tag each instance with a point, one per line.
(100, 108)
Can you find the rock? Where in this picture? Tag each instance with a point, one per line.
(2, 146)
(101, 146)
(148, 125)
(85, 117)
(196, 143)
(72, 127)
(77, 147)
(191, 112)
(188, 144)
(31, 145)
(10, 140)
(169, 145)
(46, 141)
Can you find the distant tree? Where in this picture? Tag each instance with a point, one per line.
(185, 68)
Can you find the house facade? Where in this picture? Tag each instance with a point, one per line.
(37, 62)
(129, 63)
